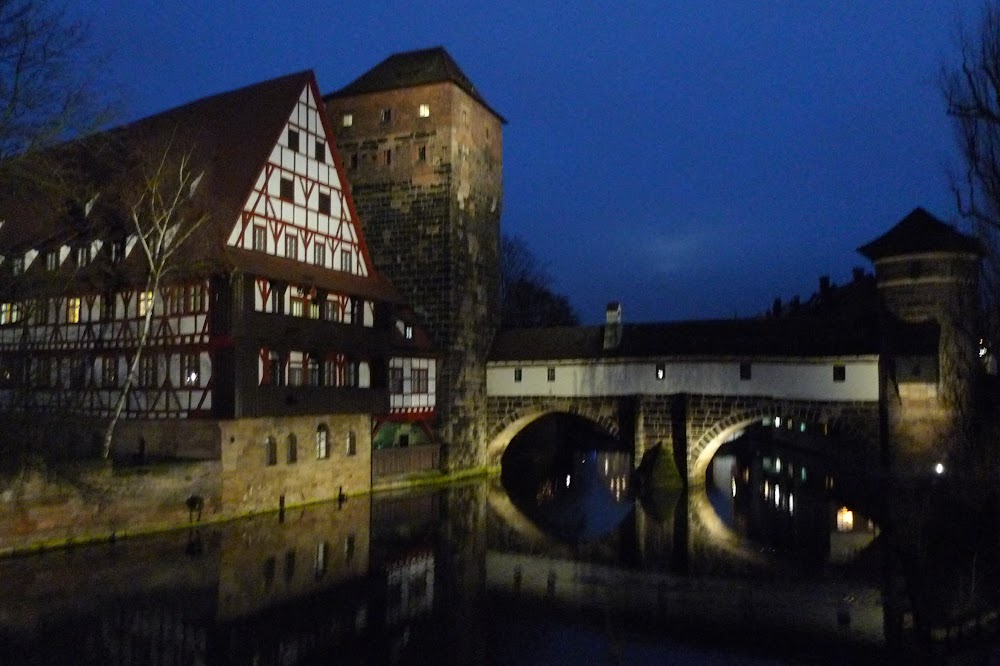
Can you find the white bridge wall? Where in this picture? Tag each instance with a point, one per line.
(800, 379)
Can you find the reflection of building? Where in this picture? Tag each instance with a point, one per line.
(273, 341)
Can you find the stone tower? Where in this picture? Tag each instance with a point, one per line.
(423, 153)
(927, 275)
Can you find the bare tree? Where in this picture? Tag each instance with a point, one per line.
(526, 296)
(162, 221)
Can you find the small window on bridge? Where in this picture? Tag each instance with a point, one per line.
(661, 371)
(746, 371)
(517, 374)
(552, 374)
(839, 373)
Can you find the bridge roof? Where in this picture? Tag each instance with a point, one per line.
(790, 337)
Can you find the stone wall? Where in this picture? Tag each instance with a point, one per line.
(85, 501)
(253, 481)
(428, 194)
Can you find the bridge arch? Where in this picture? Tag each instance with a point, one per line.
(515, 420)
(812, 418)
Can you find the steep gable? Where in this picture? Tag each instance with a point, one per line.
(299, 207)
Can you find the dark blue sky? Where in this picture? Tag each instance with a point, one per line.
(691, 159)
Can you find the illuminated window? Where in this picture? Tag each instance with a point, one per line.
(385, 115)
(551, 374)
(73, 310)
(839, 373)
(295, 374)
(746, 371)
(320, 153)
(322, 442)
(408, 332)
(845, 519)
(271, 451)
(259, 238)
(297, 304)
(291, 247)
(190, 369)
(145, 302)
(293, 140)
(347, 119)
(396, 380)
(517, 374)
(661, 371)
(313, 310)
(323, 203)
(52, 260)
(424, 110)
(286, 189)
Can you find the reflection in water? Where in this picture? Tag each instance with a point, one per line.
(561, 567)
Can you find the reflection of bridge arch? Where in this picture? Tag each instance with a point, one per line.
(602, 413)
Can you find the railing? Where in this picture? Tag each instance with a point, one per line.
(407, 460)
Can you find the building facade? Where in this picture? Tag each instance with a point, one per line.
(423, 155)
(270, 342)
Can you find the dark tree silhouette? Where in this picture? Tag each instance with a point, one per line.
(526, 296)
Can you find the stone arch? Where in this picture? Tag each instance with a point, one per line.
(817, 417)
(515, 422)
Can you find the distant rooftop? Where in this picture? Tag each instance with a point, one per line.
(917, 233)
(413, 68)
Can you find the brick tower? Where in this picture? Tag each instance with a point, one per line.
(423, 154)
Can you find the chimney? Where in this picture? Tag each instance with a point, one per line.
(613, 325)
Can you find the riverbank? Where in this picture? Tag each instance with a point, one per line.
(63, 506)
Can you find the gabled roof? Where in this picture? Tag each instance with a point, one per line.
(919, 233)
(413, 68)
(229, 137)
(806, 336)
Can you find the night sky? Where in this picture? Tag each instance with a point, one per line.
(690, 159)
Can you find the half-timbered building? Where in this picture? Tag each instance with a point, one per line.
(273, 344)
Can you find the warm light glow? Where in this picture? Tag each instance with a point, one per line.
(845, 519)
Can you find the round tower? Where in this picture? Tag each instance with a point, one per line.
(927, 275)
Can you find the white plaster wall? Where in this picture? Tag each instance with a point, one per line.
(807, 379)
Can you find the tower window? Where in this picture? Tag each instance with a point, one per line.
(425, 110)
(661, 371)
(293, 140)
(347, 119)
(746, 371)
(386, 115)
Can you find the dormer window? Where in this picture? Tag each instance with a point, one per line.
(408, 332)
(347, 120)
(82, 256)
(52, 260)
(424, 111)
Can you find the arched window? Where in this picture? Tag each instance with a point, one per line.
(352, 443)
(272, 451)
(293, 449)
(322, 442)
